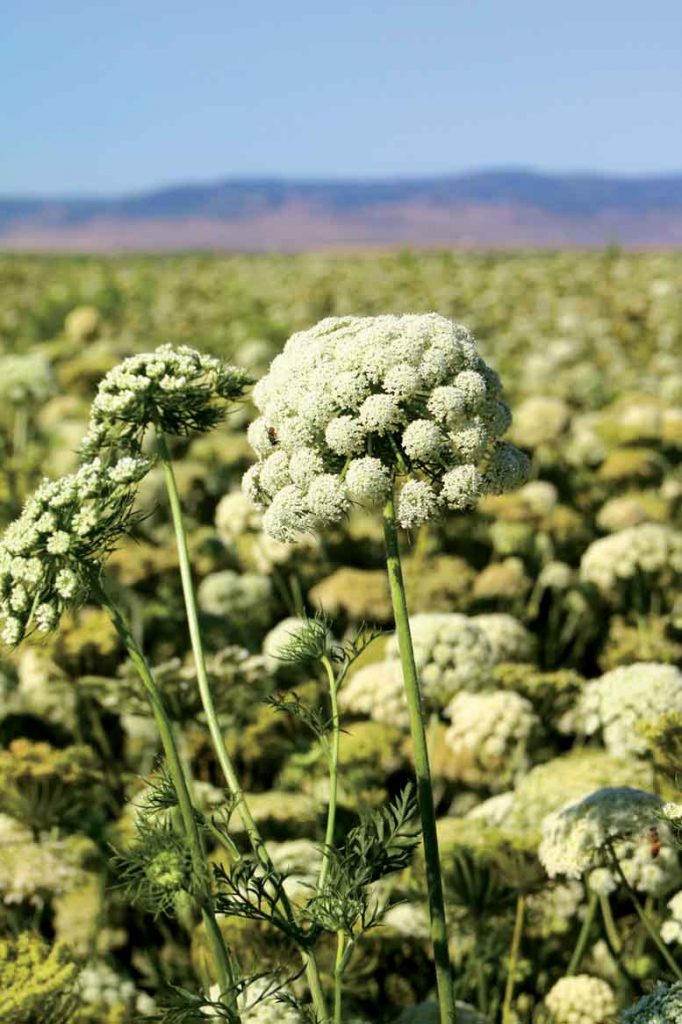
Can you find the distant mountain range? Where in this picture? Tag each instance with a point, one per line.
(488, 209)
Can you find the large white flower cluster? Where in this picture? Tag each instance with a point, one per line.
(237, 521)
(452, 653)
(100, 985)
(176, 390)
(650, 550)
(354, 402)
(242, 596)
(661, 1006)
(508, 638)
(377, 691)
(576, 838)
(581, 999)
(489, 734)
(26, 378)
(620, 701)
(51, 555)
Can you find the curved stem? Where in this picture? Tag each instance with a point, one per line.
(644, 917)
(583, 935)
(221, 956)
(224, 760)
(434, 882)
(513, 958)
(333, 774)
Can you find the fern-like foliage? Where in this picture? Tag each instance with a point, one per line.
(253, 891)
(382, 842)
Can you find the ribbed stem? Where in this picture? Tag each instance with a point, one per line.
(434, 882)
(224, 760)
(338, 976)
(333, 774)
(584, 934)
(644, 917)
(514, 951)
(221, 956)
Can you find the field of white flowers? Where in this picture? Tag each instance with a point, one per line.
(341, 682)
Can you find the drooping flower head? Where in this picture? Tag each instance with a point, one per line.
(356, 402)
(176, 390)
(51, 555)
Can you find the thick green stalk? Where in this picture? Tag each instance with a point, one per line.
(224, 760)
(221, 957)
(439, 935)
(644, 917)
(514, 951)
(333, 774)
(584, 934)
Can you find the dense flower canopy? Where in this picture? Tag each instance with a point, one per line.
(356, 402)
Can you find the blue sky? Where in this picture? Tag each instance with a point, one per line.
(105, 97)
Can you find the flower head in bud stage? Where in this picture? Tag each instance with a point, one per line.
(176, 390)
(356, 403)
(52, 554)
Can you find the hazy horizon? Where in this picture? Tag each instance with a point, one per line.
(120, 98)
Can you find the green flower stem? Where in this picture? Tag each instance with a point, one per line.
(333, 773)
(644, 917)
(610, 928)
(513, 958)
(221, 956)
(439, 935)
(583, 935)
(214, 728)
(338, 976)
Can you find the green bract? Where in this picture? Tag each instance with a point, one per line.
(355, 403)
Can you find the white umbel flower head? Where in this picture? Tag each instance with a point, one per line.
(622, 700)
(581, 999)
(576, 839)
(51, 556)
(489, 735)
(176, 390)
(650, 552)
(411, 393)
(509, 638)
(452, 653)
